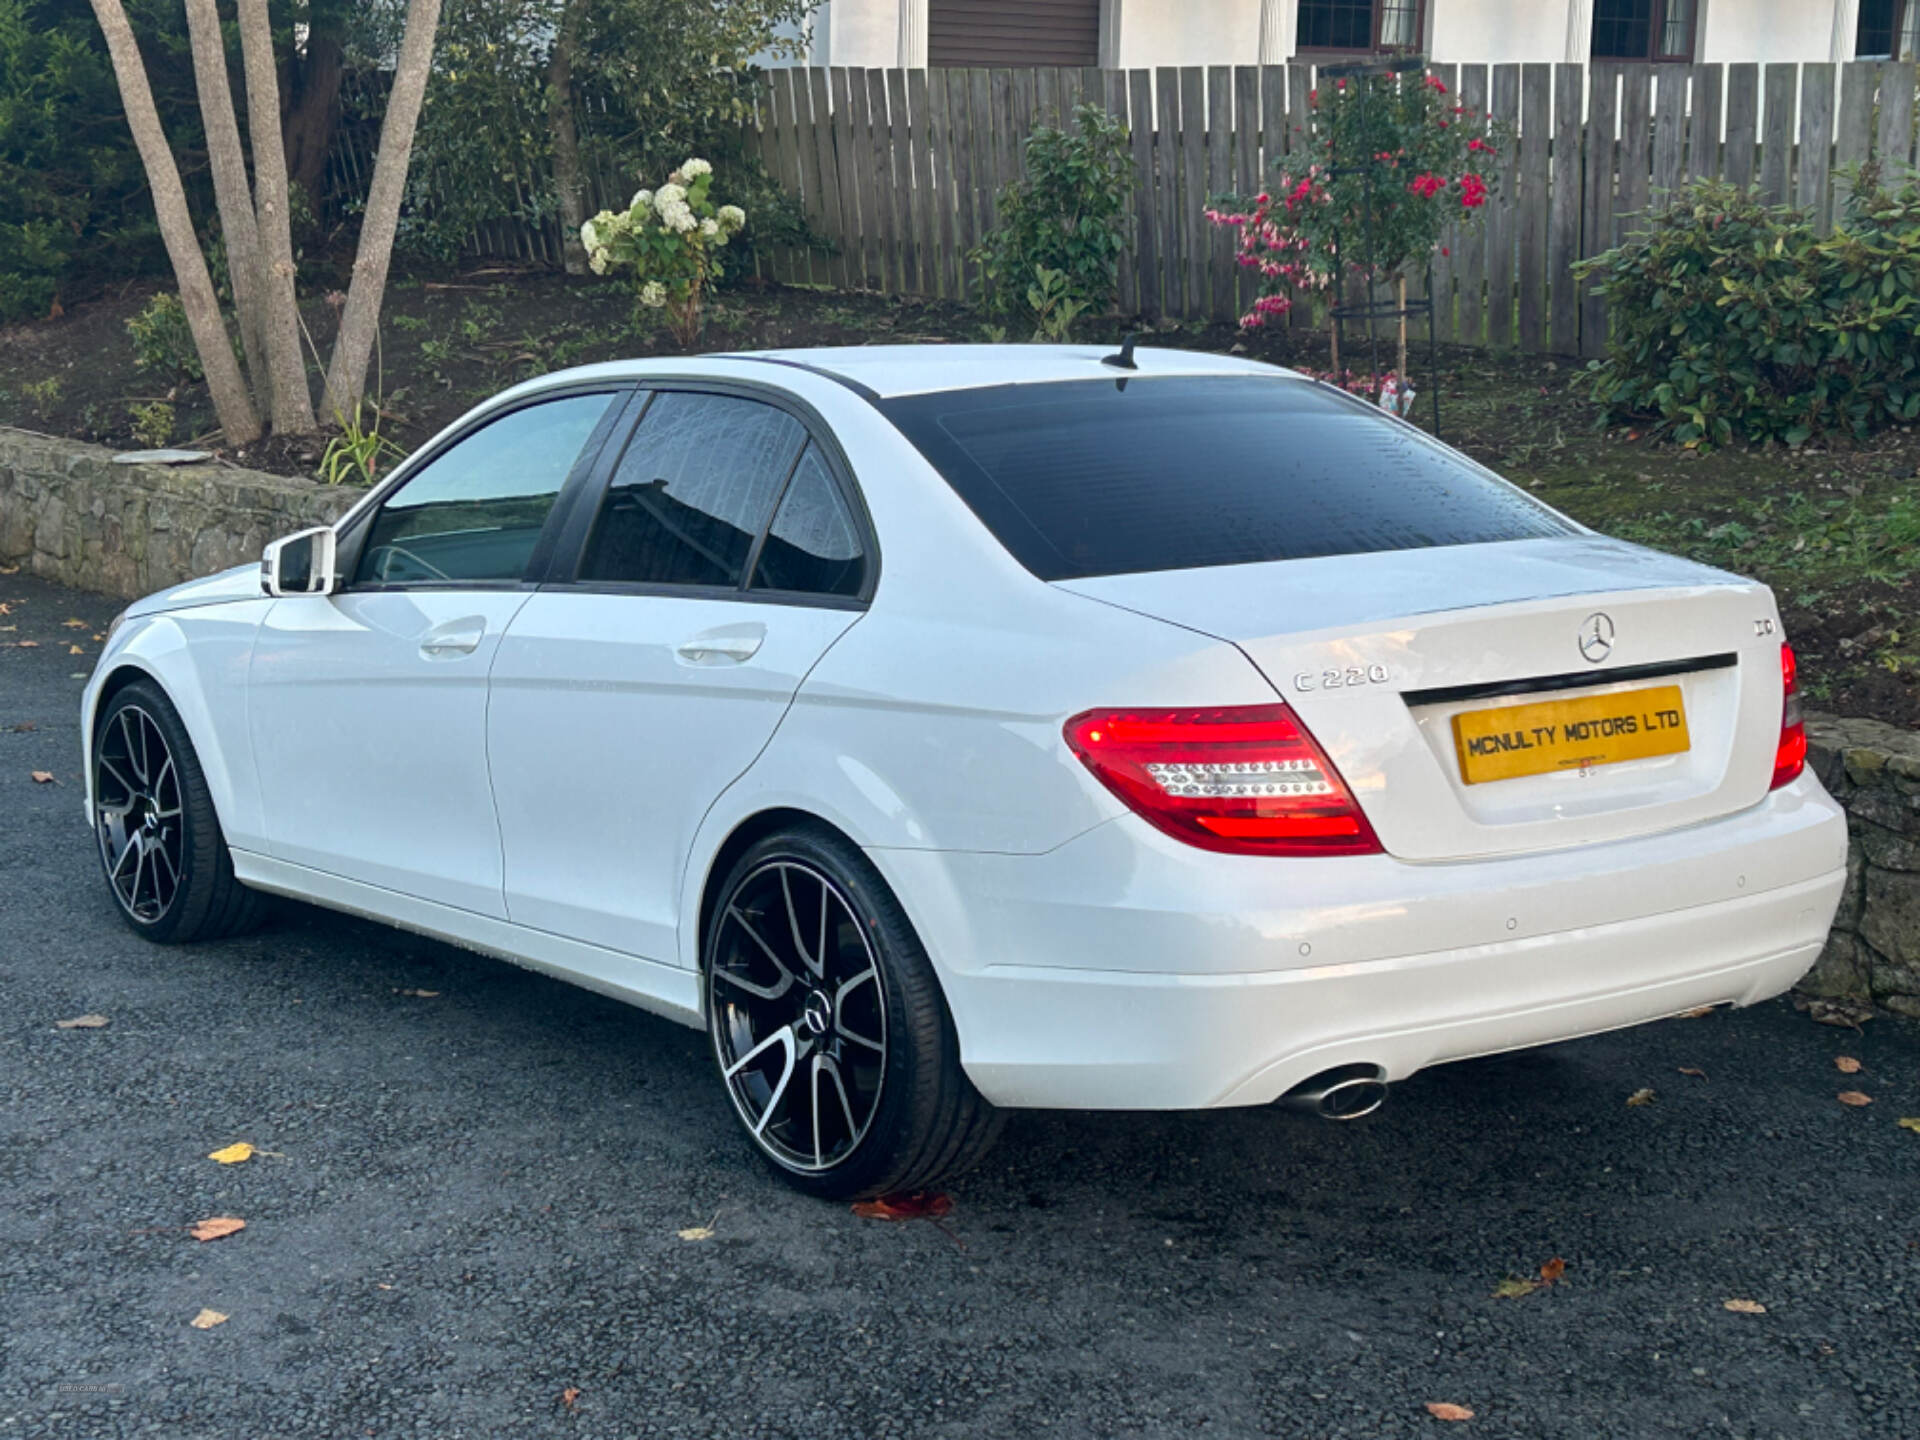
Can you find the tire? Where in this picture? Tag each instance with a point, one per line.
(165, 859)
(845, 1075)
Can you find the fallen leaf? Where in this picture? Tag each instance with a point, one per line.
(1746, 1307)
(1854, 1098)
(1552, 1270)
(1513, 1288)
(82, 1022)
(207, 1319)
(420, 994)
(1447, 1410)
(570, 1396)
(1640, 1097)
(1694, 1071)
(1835, 1012)
(914, 1205)
(1846, 1064)
(74, 624)
(1698, 1011)
(28, 644)
(75, 650)
(697, 1232)
(233, 1154)
(217, 1228)
(25, 727)
(1909, 1122)
(43, 777)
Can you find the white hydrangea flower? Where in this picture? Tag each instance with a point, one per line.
(641, 200)
(710, 228)
(653, 294)
(668, 196)
(732, 217)
(597, 261)
(590, 234)
(694, 169)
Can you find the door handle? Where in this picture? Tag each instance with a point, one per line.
(461, 638)
(732, 645)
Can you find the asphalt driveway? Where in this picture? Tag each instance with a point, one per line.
(468, 1222)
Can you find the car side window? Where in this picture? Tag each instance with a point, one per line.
(814, 546)
(475, 511)
(693, 491)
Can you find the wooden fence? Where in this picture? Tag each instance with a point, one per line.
(901, 169)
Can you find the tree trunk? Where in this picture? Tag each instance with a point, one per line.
(225, 384)
(312, 101)
(570, 184)
(360, 323)
(231, 192)
(292, 401)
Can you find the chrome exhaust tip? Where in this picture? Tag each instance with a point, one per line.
(1346, 1092)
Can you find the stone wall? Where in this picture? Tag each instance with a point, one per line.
(1874, 952)
(72, 516)
(69, 514)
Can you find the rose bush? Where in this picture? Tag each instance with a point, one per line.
(669, 240)
(1430, 158)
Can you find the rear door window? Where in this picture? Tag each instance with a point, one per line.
(693, 491)
(1098, 477)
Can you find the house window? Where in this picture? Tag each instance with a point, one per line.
(1013, 32)
(1359, 25)
(1643, 29)
(1887, 30)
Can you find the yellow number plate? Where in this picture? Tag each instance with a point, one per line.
(1569, 734)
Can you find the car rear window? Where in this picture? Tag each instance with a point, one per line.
(1108, 477)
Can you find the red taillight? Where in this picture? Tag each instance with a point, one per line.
(1791, 757)
(1247, 780)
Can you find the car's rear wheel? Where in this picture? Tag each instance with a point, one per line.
(165, 858)
(829, 1027)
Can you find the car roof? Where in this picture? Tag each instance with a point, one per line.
(889, 370)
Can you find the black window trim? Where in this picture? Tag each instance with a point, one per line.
(569, 553)
(352, 535)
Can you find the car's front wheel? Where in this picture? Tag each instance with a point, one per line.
(829, 1027)
(165, 858)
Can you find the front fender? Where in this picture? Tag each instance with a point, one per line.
(199, 657)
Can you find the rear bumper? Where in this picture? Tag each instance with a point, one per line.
(1126, 971)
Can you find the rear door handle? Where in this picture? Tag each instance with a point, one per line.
(456, 637)
(729, 645)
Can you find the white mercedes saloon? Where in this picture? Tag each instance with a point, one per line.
(954, 728)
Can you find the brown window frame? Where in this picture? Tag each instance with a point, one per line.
(1656, 27)
(1898, 31)
(1373, 47)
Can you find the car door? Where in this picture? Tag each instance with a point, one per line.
(723, 556)
(367, 707)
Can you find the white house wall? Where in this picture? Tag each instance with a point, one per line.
(1228, 32)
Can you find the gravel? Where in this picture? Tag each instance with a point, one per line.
(465, 1217)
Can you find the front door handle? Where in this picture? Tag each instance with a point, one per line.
(728, 645)
(456, 637)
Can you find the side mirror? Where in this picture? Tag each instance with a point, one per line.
(300, 564)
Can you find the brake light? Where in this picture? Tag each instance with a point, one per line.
(1248, 780)
(1791, 756)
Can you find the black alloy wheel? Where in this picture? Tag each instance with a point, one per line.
(829, 1028)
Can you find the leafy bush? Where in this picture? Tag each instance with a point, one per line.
(1428, 157)
(152, 423)
(1729, 318)
(670, 239)
(162, 340)
(1068, 214)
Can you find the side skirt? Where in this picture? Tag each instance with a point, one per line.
(666, 990)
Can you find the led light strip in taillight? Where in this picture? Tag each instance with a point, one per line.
(1245, 780)
(1790, 756)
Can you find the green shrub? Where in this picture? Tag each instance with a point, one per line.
(1732, 319)
(152, 423)
(1068, 214)
(162, 340)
